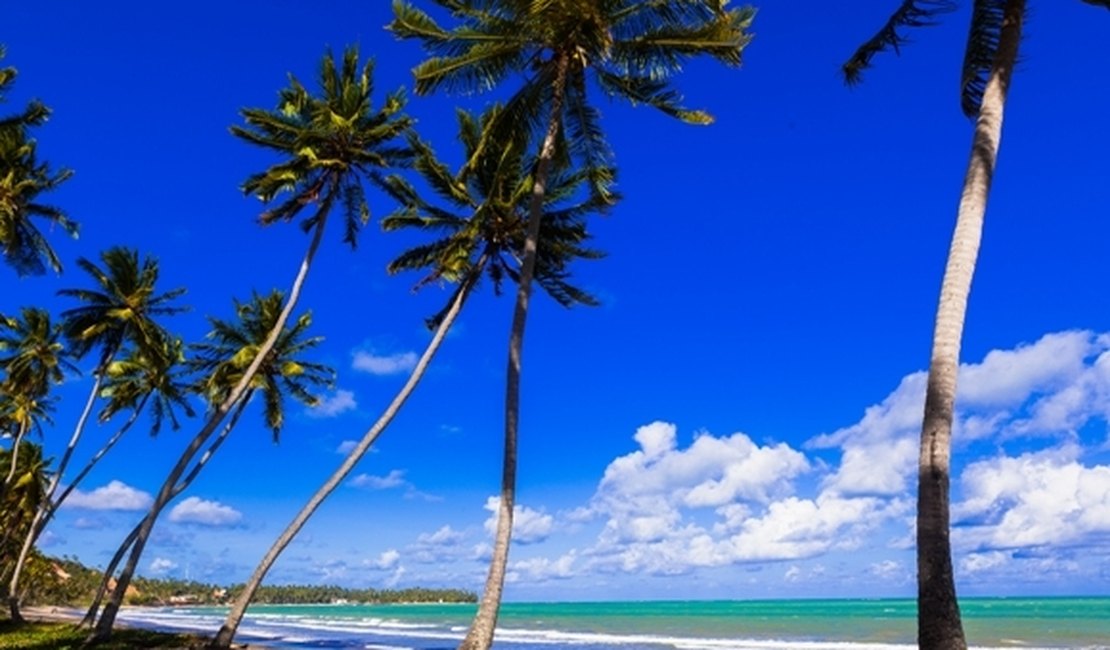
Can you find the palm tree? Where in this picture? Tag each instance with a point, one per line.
(223, 361)
(331, 143)
(33, 359)
(19, 504)
(22, 179)
(989, 59)
(630, 49)
(146, 372)
(488, 240)
(120, 308)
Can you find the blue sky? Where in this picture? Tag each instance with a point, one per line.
(738, 419)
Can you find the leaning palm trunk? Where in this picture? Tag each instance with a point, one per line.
(480, 634)
(46, 510)
(167, 492)
(239, 608)
(15, 458)
(939, 625)
(90, 614)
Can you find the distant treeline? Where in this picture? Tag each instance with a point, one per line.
(304, 594)
(65, 581)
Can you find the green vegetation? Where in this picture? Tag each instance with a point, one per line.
(63, 636)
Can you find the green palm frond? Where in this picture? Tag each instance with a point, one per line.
(23, 178)
(910, 14)
(231, 346)
(33, 355)
(497, 182)
(330, 143)
(121, 307)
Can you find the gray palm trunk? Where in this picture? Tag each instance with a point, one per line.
(90, 614)
(167, 492)
(939, 625)
(40, 520)
(242, 602)
(480, 634)
(15, 457)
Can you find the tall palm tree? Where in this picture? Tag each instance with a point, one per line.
(223, 361)
(33, 357)
(330, 143)
(146, 372)
(488, 238)
(22, 179)
(630, 49)
(121, 307)
(989, 58)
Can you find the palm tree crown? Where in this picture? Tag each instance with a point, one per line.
(630, 48)
(122, 306)
(33, 355)
(149, 372)
(494, 193)
(331, 142)
(231, 346)
(987, 20)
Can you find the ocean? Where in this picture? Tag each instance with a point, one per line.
(682, 625)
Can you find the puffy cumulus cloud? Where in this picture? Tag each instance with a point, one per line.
(395, 478)
(445, 536)
(529, 526)
(542, 569)
(1052, 386)
(383, 364)
(655, 501)
(195, 510)
(161, 566)
(1035, 499)
(334, 405)
(116, 495)
(388, 560)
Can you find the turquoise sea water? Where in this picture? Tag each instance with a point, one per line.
(686, 625)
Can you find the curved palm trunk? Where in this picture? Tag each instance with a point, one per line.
(46, 510)
(939, 625)
(15, 457)
(166, 493)
(109, 571)
(480, 634)
(239, 608)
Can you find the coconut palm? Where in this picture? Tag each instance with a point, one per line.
(222, 362)
(121, 307)
(330, 144)
(487, 238)
(19, 504)
(146, 374)
(989, 58)
(33, 357)
(630, 49)
(22, 179)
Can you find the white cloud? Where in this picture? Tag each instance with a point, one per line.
(395, 478)
(529, 526)
(116, 495)
(195, 510)
(542, 569)
(445, 536)
(162, 566)
(1036, 499)
(387, 560)
(334, 405)
(1050, 379)
(384, 364)
(346, 447)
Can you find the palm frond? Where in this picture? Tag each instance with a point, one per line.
(987, 17)
(910, 14)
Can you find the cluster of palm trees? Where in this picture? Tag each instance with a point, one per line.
(536, 168)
